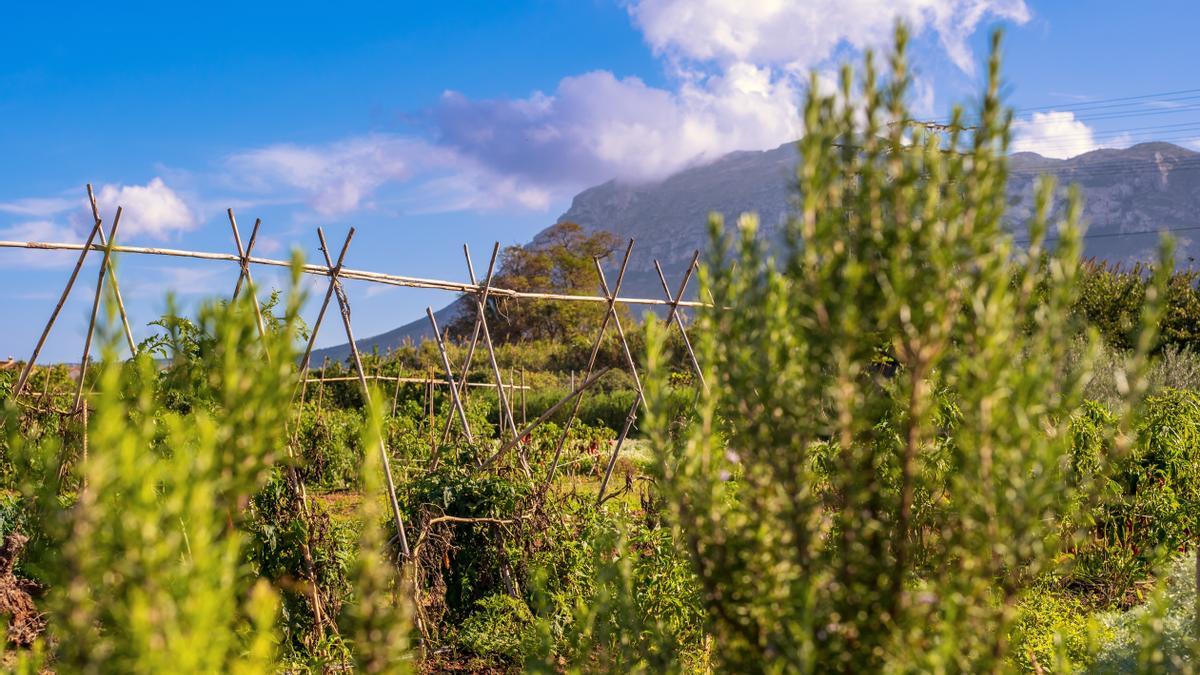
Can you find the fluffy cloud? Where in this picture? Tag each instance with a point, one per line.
(343, 176)
(42, 230)
(802, 34)
(37, 207)
(597, 126)
(152, 209)
(737, 74)
(334, 178)
(739, 71)
(1053, 134)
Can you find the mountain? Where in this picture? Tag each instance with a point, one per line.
(1145, 188)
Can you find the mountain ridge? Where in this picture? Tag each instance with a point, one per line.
(1129, 194)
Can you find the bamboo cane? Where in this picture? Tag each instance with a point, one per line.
(474, 336)
(112, 277)
(462, 413)
(505, 408)
(37, 349)
(562, 439)
(244, 261)
(383, 451)
(637, 381)
(293, 477)
(360, 275)
(87, 342)
(674, 313)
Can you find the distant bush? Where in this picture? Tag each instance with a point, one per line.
(1149, 499)
(501, 626)
(1111, 298)
(1158, 636)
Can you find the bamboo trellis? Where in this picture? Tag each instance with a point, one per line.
(336, 273)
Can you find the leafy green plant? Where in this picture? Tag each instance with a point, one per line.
(501, 626)
(838, 516)
(150, 571)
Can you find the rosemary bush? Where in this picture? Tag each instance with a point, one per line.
(880, 470)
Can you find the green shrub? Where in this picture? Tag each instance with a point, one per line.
(501, 626)
(1054, 631)
(278, 532)
(1158, 636)
(1148, 500)
(469, 561)
(797, 489)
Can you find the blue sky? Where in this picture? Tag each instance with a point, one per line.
(431, 125)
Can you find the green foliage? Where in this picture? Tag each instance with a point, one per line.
(378, 622)
(559, 262)
(328, 446)
(278, 532)
(875, 477)
(1159, 636)
(1111, 298)
(501, 626)
(480, 556)
(611, 592)
(1054, 630)
(152, 574)
(1147, 499)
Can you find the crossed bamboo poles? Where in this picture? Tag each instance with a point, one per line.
(336, 272)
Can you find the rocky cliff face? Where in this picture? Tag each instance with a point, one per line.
(1148, 187)
(1145, 188)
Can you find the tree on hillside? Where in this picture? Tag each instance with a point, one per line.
(560, 261)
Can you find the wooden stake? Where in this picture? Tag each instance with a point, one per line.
(293, 477)
(112, 278)
(396, 394)
(637, 382)
(480, 308)
(632, 415)
(242, 273)
(674, 312)
(87, 343)
(562, 439)
(462, 413)
(362, 275)
(87, 246)
(321, 386)
(544, 416)
(312, 338)
(344, 305)
(474, 338)
(244, 261)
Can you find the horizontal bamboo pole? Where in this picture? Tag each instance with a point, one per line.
(413, 380)
(361, 275)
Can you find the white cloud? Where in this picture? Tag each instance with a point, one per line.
(596, 126)
(1053, 134)
(152, 209)
(37, 207)
(737, 72)
(802, 34)
(344, 176)
(45, 231)
(333, 178)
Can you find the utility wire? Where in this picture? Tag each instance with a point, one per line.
(1115, 235)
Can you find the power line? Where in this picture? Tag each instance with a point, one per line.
(1140, 97)
(1116, 235)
